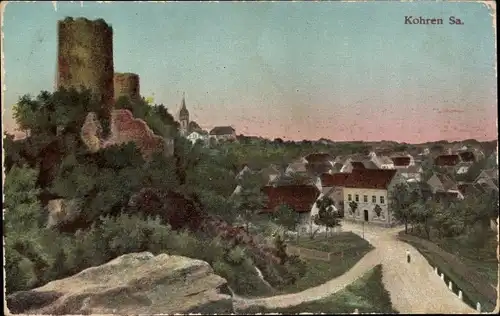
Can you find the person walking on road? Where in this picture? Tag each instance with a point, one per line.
(408, 256)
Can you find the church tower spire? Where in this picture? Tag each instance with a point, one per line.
(184, 117)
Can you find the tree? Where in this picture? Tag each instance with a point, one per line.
(287, 217)
(424, 214)
(378, 210)
(401, 201)
(23, 220)
(250, 200)
(353, 206)
(328, 216)
(280, 246)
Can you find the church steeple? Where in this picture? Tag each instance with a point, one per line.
(184, 117)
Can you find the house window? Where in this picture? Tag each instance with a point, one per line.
(357, 198)
(349, 197)
(382, 200)
(365, 198)
(374, 199)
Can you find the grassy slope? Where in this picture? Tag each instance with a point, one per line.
(318, 271)
(367, 294)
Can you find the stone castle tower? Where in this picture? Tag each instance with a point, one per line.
(184, 118)
(85, 58)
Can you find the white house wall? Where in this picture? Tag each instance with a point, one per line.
(369, 205)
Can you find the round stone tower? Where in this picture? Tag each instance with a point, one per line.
(127, 85)
(85, 57)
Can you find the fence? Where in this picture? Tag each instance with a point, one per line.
(456, 290)
(320, 255)
(308, 253)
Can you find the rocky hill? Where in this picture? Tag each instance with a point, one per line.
(136, 283)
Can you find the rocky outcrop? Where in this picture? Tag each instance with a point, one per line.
(138, 283)
(124, 128)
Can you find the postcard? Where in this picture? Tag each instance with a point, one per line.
(250, 157)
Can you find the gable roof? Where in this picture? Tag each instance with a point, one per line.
(297, 167)
(319, 157)
(336, 167)
(357, 165)
(333, 180)
(403, 161)
(300, 197)
(446, 160)
(467, 156)
(491, 173)
(222, 130)
(370, 178)
(447, 182)
(369, 164)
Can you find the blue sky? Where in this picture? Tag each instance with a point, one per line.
(297, 70)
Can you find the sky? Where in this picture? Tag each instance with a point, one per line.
(294, 70)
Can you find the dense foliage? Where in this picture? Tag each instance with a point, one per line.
(413, 205)
(95, 223)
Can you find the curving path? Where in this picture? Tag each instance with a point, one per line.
(414, 288)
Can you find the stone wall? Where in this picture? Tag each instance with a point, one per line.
(124, 127)
(127, 85)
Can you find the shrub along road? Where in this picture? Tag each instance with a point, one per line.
(414, 287)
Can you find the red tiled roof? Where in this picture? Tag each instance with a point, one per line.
(336, 179)
(447, 160)
(300, 197)
(370, 178)
(467, 156)
(401, 161)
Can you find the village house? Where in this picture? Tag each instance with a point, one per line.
(223, 133)
(411, 173)
(403, 161)
(332, 185)
(467, 157)
(371, 191)
(443, 186)
(267, 176)
(195, 136)
(297, 166)
(468, 189)
(319, 163)
(447, 160)
(381, 161)
(357, 162)
(301, 198)
(488, 179)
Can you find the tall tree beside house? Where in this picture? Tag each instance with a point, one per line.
(328, 216)
(401, 201)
